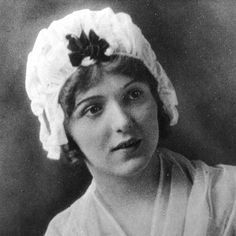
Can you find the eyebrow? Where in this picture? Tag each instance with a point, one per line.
(87, 99)
(130, 82)
(99, 96)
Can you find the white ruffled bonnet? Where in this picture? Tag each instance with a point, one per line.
(49, 66)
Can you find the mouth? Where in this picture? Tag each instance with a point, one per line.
(132, 143)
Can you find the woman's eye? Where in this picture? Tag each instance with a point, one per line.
(92, 110)
(135, 94)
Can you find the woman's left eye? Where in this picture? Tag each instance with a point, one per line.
(135, 94)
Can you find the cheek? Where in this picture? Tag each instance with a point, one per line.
(148, 115)
(91, 138)
(148, 120)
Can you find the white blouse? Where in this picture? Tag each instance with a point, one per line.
(193, 199)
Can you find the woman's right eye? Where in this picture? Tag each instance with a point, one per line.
(92, 110)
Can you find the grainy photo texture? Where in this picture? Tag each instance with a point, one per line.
(118, 117)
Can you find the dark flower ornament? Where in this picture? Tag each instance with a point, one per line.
(91, 46)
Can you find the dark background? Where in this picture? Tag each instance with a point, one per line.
(195, 41)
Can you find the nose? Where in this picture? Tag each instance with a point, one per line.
(121, 119)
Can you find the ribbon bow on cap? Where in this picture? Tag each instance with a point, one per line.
(92, 46)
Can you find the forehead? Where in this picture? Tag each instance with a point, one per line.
(89, 77)
(109, 83)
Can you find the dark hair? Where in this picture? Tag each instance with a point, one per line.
(86, 77)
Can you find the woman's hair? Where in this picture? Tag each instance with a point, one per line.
(86, 77)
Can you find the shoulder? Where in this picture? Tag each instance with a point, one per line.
(219, 191)
(68, 222)
(214, 185)
(222, 192)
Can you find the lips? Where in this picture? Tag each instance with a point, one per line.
(131, 143)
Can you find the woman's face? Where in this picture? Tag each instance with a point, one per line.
(115, 125)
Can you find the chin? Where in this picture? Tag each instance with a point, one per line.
(132, 167)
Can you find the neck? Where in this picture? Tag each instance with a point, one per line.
(122, 191)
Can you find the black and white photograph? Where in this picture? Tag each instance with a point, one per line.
(118, 118)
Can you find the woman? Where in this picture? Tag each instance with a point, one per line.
(103, 100)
